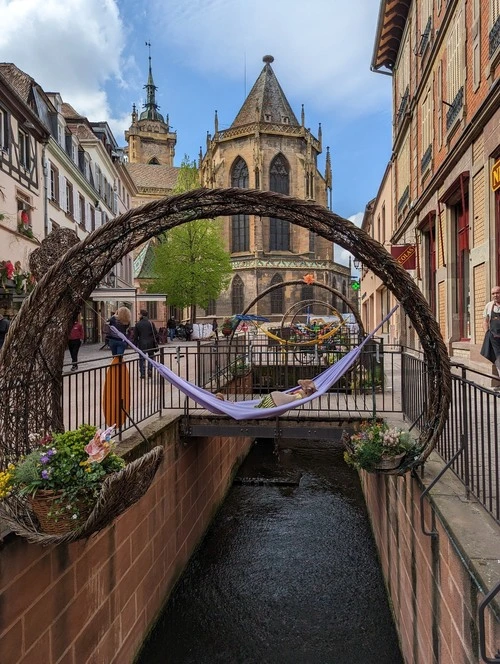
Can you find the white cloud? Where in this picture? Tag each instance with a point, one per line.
(69, 46)
(342, 255)
(322, 48)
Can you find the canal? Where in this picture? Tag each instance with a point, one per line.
(287, 574)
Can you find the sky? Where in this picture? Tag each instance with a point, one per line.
(206, 55)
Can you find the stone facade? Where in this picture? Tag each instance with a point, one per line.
(444, 58)
(267, 148)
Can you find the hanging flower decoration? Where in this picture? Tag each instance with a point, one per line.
(6, 272)
(308, 279)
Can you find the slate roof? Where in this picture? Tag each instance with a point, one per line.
(270, 99)
(17, 79)
(150, 175)
(69, 112)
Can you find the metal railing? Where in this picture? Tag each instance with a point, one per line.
(473, 422)
(387, 379)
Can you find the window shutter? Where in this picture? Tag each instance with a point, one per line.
(62, 192)
(97, 218)
(76, 206)
(87, 216)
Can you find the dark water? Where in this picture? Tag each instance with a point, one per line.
(287, 574)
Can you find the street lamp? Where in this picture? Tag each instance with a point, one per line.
(357, 263)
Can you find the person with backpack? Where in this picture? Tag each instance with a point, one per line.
(146, 339)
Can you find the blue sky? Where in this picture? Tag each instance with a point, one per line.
(206, 55)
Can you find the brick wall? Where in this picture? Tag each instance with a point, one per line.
(94, 601)
(434, 589)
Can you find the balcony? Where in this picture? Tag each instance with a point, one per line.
(494, 37)
(455, 108)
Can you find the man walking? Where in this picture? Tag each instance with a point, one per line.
(146, 338)
(491, 324)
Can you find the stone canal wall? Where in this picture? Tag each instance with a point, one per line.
(435, 584)
(95, 601)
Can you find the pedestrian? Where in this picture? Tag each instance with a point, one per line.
(121, 320)
(146, 339)
(75, 340)
(4, 326)
(491, 326)
(171, 325)
(189, 330)
(215, 329)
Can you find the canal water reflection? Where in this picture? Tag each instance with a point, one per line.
(287, 574)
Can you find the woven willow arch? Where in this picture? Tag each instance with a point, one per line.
(32, 356)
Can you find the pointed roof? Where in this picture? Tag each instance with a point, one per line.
(266, 101)
(151, 112)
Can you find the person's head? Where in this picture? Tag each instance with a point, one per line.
(144, 313)
(307, 386)
(495, 293)
(123, 315)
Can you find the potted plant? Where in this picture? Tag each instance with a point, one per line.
(60, 480)
(377, 446)
(240, 366)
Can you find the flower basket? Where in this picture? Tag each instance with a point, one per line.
(55, 515)
(389, 462)
(60, 480)
(376, 446)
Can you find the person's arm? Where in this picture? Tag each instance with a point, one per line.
(486, 318)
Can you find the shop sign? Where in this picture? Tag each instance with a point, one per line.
(495, 176)
(405, 254)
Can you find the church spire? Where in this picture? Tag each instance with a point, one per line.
(151, 112)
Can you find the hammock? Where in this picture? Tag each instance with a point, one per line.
(246, 410)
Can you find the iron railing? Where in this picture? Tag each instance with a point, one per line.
(387, 379)
(473, 423)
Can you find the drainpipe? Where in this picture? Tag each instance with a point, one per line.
(45, 191)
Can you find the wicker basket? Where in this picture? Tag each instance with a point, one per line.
(389, 462)
(44, 501)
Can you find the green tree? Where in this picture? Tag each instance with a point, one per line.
(190, 262)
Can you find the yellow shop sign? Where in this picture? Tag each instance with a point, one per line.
(495, 176)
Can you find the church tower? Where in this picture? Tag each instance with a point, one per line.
(267, 148)
(149, 138)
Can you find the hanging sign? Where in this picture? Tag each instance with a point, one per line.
(495, 176)
(405, 254)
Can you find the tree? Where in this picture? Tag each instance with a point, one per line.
(190, 262)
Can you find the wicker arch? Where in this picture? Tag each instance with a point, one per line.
(32, 355)
(301, 282)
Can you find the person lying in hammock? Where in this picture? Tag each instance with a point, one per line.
(305, 389)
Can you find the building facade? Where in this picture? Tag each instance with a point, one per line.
(444, 58)
(267, 148)
(59, 170)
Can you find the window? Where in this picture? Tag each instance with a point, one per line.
(24, 207)
(152, 308)
(92, 218)
(494, 36)
(4, 130)
(312, 241)
(430, 263)
(211, 308)
(403, 175)
(154, 161)
(69, 198)
(240, 231)
(81, 202)
(237, 295)
(24, 149)
(494, 11)
(426, 157)
(454, 71)
(279, 181)
(54, 183)
(277, 295)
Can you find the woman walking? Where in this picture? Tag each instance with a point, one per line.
(121, 320)
(75, 340)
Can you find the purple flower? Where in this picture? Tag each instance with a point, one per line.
(45, 474)
(44, 458)
(51, 452)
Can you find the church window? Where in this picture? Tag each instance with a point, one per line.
(267, 117)
(237, 302)
(286, 119)
(277, 295)
(240, 228)
(279, 181)
(154, 161)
